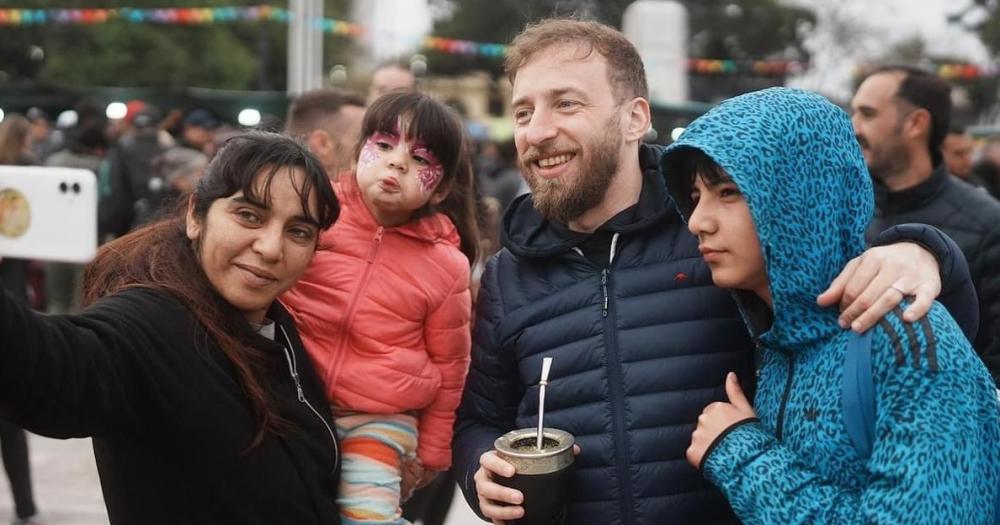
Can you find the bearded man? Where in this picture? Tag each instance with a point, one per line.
(901, 116)
(599, 272)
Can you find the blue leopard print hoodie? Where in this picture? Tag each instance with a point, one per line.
(936, 453)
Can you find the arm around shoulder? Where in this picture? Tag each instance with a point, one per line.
(958, 293)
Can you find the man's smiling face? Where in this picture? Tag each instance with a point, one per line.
(567, 129)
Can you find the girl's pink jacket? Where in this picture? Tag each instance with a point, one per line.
(384, 313)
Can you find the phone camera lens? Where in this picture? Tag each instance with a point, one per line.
(76, 187)
(63, 187)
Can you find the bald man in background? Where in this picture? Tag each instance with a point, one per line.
(391, 77)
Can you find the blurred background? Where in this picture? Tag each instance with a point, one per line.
(98, 83)
(233, 57)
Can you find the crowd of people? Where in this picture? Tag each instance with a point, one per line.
(334, 321)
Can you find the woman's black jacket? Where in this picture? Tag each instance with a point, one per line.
(171, 423)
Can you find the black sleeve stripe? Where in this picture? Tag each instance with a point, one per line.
(911, 337)
(894, 337)
(931, 344)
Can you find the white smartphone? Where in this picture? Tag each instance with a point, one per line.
(48, 214)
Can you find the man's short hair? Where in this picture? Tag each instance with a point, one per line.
(313, 109)
(928, 91)
(957, 129)
(625, 70)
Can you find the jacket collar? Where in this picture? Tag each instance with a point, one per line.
(527, 234)
(892, 202)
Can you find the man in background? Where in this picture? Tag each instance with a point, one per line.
(198, 131)
(391, 77)
(901, 116)
(957, 150)
(329, 122)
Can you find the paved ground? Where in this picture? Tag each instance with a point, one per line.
(67, 490)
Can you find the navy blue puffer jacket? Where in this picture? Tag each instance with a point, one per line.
(639, 347)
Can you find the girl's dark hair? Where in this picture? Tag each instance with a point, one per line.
(685, 165)
(441, 130)
(160, 256)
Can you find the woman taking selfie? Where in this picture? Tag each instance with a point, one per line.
(184, 369)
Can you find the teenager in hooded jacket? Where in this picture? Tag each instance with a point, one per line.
(776, 218)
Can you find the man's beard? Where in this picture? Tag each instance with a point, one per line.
(889, 160)
(566, 198)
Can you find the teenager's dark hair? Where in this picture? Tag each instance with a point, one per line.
(928, 91)
(161, 257)
(685, 165)
(441, 130)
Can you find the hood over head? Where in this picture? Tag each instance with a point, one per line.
(794, 156)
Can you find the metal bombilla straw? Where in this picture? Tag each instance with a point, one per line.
(546, 365)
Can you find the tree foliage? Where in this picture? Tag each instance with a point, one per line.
(746, 29)
(231, 55)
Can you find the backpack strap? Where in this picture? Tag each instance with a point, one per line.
(858, 396)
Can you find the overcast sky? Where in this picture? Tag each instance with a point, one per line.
(930, 16)
(877, 26)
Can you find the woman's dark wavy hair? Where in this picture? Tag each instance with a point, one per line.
(441, 130)
(161, 257)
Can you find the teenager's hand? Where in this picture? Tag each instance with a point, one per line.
(496, 501)
(717, 417)
(875, 282)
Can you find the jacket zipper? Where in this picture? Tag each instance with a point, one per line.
(376, 243)
(617, 390)
(780, 425)
(604, 291)
(293, 369)
(334, 371)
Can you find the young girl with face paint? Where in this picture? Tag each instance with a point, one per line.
(384, 308)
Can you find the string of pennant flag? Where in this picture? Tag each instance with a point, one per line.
(954, 72)
(214, 15)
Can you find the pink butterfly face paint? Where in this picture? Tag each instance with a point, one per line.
(430, 171)
(372, 149)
